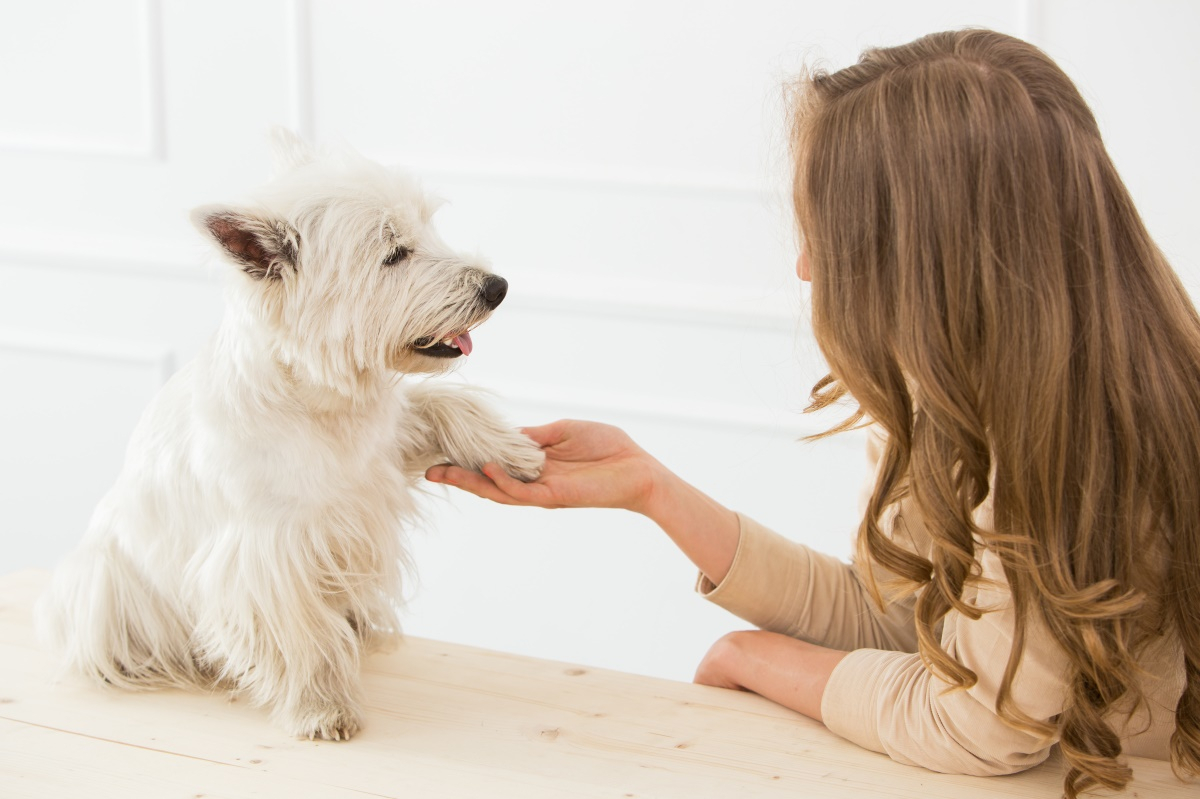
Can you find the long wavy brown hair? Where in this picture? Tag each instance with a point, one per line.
(984, 289)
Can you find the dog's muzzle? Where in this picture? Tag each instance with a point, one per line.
(493, 292)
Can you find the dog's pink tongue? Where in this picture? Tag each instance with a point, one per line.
(464, 343)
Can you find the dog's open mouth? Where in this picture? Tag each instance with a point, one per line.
(451, 347)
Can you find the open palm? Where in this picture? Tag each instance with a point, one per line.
(588, 465)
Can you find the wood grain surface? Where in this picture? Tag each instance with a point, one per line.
(445, 720)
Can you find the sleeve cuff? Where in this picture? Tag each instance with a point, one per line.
(769, 581)
(848, 704)
(755, 559)
(705, 587)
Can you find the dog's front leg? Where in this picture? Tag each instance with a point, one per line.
(458, 425)
(285, 646)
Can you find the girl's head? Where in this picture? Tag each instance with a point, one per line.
(985, 290)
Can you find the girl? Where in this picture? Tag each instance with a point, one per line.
(1028, 566)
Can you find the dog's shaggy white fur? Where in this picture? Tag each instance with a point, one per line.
(255, 538)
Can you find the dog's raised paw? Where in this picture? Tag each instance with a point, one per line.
(522, 459)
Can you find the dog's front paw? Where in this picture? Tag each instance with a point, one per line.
(326, 722)
(521, 457)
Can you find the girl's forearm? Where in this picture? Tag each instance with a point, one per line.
(787, 671)
(704, 529)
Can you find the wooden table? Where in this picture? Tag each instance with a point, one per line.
(451, 721)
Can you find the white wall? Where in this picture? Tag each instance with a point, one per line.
(620, 163)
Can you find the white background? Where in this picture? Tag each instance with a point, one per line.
(621, 163)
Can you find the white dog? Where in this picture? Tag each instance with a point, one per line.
(254, 539)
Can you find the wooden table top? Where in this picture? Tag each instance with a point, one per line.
(445, 720)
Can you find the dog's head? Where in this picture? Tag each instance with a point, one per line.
(339, 260)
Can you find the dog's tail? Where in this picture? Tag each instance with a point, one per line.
(110, 624)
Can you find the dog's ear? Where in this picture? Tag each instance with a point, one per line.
(288, 150)
(262, 246)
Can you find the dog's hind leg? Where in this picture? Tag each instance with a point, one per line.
(112, 625)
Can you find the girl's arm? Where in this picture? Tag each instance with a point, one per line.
(592, 465)
(788, 671)
(596, 465)
(887, 701)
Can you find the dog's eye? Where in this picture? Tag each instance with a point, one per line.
(396, 256)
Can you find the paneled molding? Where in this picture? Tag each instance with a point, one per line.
(300, 57)
(152, 142)
(746, 418)
(638, 300)
(160, 359)
(1029, 20)
(109, 258)
(691, 183)
(592, 178)
(703, 309)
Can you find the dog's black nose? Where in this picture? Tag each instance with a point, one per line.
(494, 289)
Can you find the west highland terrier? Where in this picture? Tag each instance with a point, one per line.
(255, 537)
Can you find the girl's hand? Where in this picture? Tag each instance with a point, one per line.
(592, 465)
(588, 465)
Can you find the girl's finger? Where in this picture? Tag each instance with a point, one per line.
(547, 435)
(476, 484)
(521, 492)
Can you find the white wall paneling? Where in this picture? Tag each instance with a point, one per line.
(300, 66)
(111, 260)
(1141, 76)
(623, 165)
(69, 407)
(1029, 21)
(158, 360)
(83, 79)
(110, 300)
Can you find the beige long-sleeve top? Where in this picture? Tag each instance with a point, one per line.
(882, 696)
